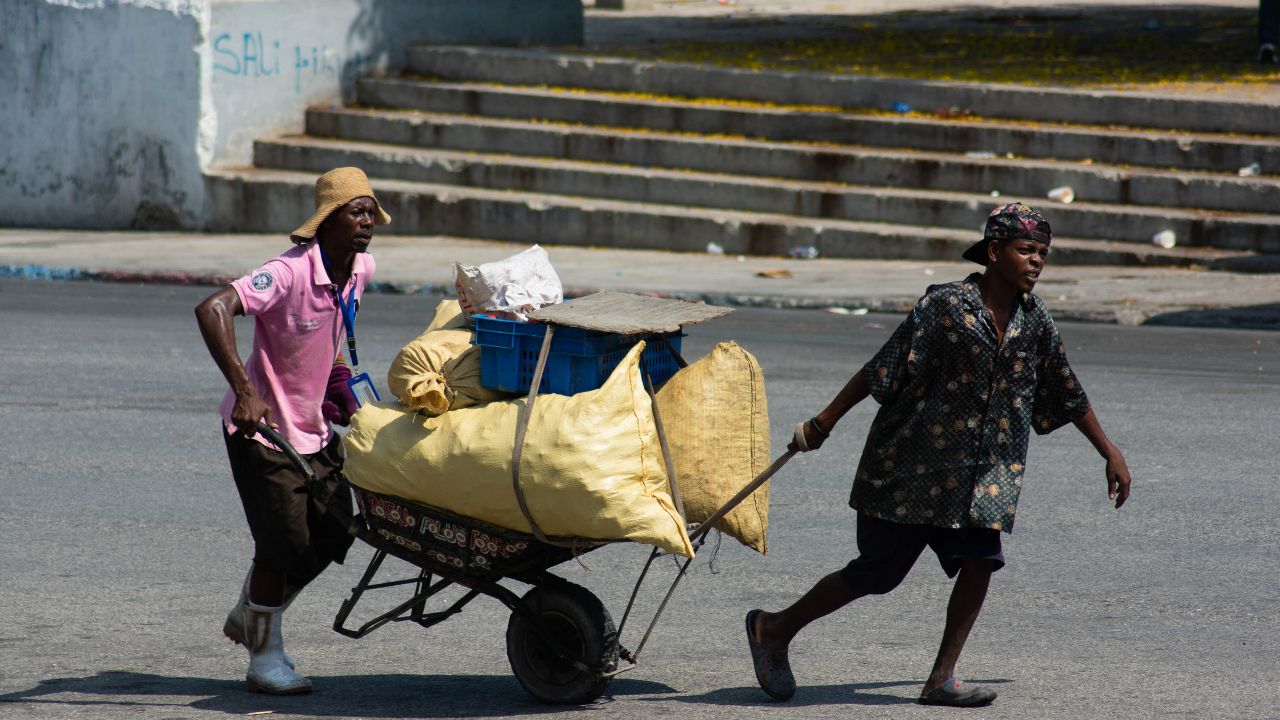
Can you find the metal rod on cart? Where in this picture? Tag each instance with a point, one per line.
(680, 361)
(661, 608)
(699, 532)
(635, 591)
(662, 442)
(751, 487)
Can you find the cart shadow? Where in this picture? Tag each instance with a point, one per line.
(1252, 317)
(379, 695)
(815, 695)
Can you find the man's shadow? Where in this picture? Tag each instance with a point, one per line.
(407, 696)
(377, 695)
(815, 695)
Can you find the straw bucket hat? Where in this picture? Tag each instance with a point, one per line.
(333, 190)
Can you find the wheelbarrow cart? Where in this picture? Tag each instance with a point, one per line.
(562, 642)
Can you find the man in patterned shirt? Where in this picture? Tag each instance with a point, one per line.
(975, 366)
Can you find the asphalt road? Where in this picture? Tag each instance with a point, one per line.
(124, 544)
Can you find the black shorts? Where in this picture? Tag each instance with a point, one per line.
(293, 533)
(887, 550)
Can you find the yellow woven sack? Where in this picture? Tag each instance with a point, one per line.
(440, 369)
(716, 419)
(448, 316)
(592, 465)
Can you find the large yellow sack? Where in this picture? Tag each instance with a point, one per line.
(716, 419)
(440, 369)
(592, 465)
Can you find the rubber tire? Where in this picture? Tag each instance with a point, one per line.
(570, 612)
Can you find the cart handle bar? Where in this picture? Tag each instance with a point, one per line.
(278, 440)
(762, 478)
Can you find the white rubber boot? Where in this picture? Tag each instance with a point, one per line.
(233, 628)
(268, 672)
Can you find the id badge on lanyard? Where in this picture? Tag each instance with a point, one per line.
(362, 389)
(360, 384)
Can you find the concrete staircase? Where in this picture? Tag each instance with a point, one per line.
(534, 146)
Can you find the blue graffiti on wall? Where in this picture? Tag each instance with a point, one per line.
(251, 55)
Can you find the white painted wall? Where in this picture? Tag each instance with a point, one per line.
(272, 58)
(99, 125)
(115, 107)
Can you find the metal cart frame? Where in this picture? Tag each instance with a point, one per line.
(561, 641)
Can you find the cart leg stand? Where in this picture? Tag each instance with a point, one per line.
(696, 537)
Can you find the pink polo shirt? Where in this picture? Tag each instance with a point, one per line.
(297, 330)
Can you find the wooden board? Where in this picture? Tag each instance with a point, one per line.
(627, 314)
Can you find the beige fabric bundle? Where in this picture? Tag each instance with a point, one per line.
(592, 465)
(716, 419)
(440, 369)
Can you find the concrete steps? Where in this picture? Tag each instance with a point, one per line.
(270, 200)
(802, 199)
(1106, 145)
(852, 163)
(601, 151)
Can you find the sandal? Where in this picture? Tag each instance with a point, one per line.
(953, 693)
(773, 671)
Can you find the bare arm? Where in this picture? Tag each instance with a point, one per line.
(1118, 480)
(216, 318)
(853, 392)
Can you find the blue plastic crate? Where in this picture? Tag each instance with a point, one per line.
(580, 360)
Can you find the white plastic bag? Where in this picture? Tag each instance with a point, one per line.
(510, 288)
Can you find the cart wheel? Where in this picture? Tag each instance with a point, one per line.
(575, 617)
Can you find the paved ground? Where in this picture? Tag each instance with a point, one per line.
(124, 542)
(1102, 294)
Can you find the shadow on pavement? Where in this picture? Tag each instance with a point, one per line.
(811, 695)
(379, 695)
(1252, 317)
(1261, 264)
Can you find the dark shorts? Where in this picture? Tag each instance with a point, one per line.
(293, 533)
(887, 550)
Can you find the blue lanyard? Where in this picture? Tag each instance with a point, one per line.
(348, 309)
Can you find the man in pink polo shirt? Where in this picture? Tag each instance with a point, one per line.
(294, 381)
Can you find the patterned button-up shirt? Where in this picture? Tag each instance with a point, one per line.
(949, 444)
